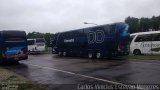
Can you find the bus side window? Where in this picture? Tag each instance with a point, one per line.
(139, 38)
(131, 38)
(146, 37)
(156, 37)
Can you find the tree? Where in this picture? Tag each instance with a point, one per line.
(46, 36)
(35, 35)
(143, 24)
(133, 24)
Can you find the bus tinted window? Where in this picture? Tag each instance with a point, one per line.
(39, 40)
(14, 40)
(156, 37)
(131, 38)
(30, 42)
(146, 37)
(40, 44)
(141, 38)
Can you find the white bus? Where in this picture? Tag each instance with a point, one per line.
(36, 45)
(145, 43)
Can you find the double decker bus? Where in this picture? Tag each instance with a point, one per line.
(94, 42)
(13, 45)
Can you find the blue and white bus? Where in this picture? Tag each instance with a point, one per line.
(13, 45)
(99, 41)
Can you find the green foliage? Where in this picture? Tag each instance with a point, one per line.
(35, 35)
(133, 24)
(46, 36)
(143, 24)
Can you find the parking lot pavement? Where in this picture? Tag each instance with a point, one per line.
(55, 72)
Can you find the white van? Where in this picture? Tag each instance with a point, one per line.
(36, 45)
(145, 43)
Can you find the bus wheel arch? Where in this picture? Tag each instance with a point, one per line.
(137, 52)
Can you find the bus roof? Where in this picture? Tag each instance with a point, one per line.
(7, 33)
(91, 27)
(12, 31)
(141, 33)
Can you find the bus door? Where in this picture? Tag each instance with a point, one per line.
(146, 44)
(155, 48)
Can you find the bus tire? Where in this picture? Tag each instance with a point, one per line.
(137, 52)
(60, 53)
(98, 55)
(90, 55)
(64, 54)
(29, 52)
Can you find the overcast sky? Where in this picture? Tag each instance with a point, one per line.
(63, 15)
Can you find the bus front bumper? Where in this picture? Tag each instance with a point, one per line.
(15, 57)
(123, 53)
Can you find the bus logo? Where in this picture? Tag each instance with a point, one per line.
(68, 40)
(96, 37)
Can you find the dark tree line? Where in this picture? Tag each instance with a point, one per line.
(143, 24)
(46, 36)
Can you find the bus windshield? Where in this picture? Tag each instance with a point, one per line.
(123, 29)
(40, 40)
(30, 42)
(131, 38)
(14, 41)
(124, 37)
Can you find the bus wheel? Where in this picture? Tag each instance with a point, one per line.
(64, 54)
(90, 55)
(29, 52)
(137, 52)
(59, 53)
(98, 55)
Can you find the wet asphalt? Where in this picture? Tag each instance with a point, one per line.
(74, 73)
